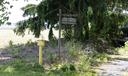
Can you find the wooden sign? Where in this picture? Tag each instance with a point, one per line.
(69, 20)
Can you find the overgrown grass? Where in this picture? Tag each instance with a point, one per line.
(123, 50)
(78, 62)
(21, 68)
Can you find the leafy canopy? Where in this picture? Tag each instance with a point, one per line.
(99, 18)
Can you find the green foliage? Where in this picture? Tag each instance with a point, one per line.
(126, 44)
(9, 69)
(79, 63)
(22, 65)
(51, 57)
(101, 20)
(73, 48)
(53, 42)
(83, 60)
(21, 68)
(69, 67)
(29, 10)
(63, 68)
(30, 43)
(102, 46)
(19, 50)
(14, 51)
(85, 64)
(123, 50)
(11, 43)
(34, 24)
(102, 57)
(4, 13)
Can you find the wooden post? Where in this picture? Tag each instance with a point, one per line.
(59, 40)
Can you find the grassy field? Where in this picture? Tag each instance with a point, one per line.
(7, 35)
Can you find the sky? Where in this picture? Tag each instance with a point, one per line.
(16, 12)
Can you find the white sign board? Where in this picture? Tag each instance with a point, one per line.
(70, 20)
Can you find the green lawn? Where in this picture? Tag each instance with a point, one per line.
(19, 68)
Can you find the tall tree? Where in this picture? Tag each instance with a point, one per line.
(99, 18)
(34, 22)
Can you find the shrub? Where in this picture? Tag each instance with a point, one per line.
(73, 48)
(51, 57)
(11, 43)
(123, 50)
(126, 44)
(22, 65)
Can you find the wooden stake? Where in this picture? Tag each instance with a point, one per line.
(59, 40)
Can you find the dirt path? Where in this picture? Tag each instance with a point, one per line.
(4, 57)
(117, 67)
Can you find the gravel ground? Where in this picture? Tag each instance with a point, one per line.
(4, 57)
(113, 68)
